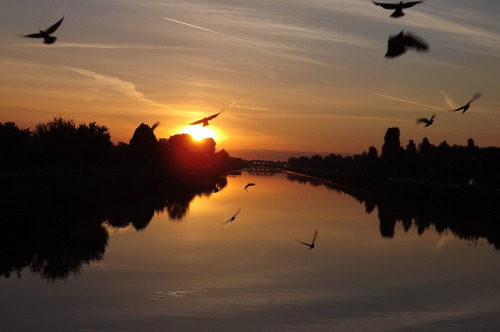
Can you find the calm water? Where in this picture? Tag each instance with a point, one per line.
(193, 272)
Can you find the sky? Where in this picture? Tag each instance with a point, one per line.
(301, 77)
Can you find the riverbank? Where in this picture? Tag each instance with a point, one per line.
(421, 192)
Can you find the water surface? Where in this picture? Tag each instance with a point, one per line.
(186, 269)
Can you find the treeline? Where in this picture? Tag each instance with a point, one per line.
(61, 145)
(426, 162)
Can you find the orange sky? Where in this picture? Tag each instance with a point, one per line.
(291, 75)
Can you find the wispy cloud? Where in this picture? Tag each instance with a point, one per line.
(408, 101)
(116, 84)
(108, 46)
(212, 31)
(448, 100)
(455, 27)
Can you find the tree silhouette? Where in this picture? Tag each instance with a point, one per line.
(143, 147)
(14, 146)
(391, 152)
(190, 160)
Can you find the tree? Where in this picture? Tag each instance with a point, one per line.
(391, 152)
(55, 144)
(189, 159)
(93, 143)
(143, 147)
(14, 146)
(411, 147)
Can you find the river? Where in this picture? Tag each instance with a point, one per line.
(181, 266)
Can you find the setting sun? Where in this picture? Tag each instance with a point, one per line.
(199, 132)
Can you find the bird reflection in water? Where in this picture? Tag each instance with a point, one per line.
(249, 185)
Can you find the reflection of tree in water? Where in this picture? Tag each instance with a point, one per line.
(262, 171)
(55, 230)
(467, 213)
(52, 242)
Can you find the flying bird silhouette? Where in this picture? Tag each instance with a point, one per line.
(205, 120)
(47, 39)
(398, 7)
(157, 123)
(233, 217)
(427, 122)
(310, 245)
(466, 106)
(399, 44)
(249, 185)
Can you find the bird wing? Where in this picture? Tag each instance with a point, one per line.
(54, 27)
(153, 127)
(414, 41)
(205, 120)
(306, 244)
(476, 95)
(410, 4)
(315, 236)
(213, 116)
(234, 216)
(198, 122)
(386, 5)
(458, 109)
(34, 35)
(422, 120)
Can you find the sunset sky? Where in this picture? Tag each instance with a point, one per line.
(303, 76)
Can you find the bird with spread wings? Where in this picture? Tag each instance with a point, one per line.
(399, 44)
(310, 245)
(427, 122)
(204, 121)
(233, 217)
(467, 106)
(398, 7)
(46, 35)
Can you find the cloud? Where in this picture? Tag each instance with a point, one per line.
(62, 44)
(212, 31)
(408, 101)
(116, 84)
(448, 101)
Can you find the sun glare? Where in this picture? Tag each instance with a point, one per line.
(199, 132)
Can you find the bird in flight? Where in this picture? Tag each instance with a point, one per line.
(427, 122)
(398, 7)
(233, 217)
(249, 185)
(310, 245)
(157, 123)
(46, 35)
(466, 106)
(399, 44)
(205, 120)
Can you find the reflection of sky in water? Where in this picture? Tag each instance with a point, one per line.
(251, 274)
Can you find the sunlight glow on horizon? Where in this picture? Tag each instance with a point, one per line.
(198, 132)
(301, 76)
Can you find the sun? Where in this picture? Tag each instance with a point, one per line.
(198, 132)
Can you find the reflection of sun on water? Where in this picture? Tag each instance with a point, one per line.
(199, 132)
